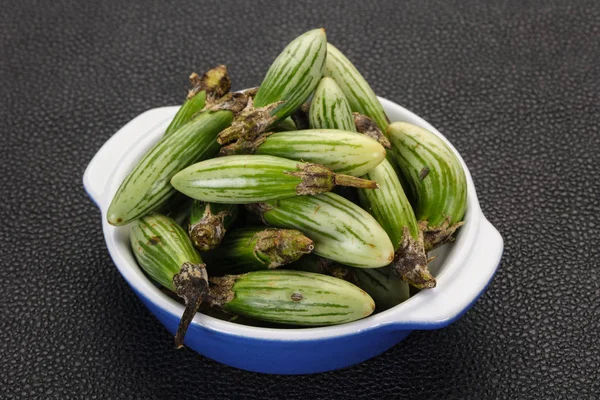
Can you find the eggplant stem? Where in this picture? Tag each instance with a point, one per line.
(368, 127)
(215, 82)
(281, 246)
(353, 181)
(191, 284)
(208, 233)
(234, 102)
(438, 235)
(249, 123)
(243, 146)
(221, 290)
(410, 262)
(317, 179)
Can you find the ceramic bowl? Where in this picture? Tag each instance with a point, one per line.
(463, 270)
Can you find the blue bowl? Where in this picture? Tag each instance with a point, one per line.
(463, 270)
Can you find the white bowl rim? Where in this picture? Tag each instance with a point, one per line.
(101, 181)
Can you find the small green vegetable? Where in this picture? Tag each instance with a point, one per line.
(164, 252)
(147, 186)
(254, 249)
(360, 96)
(392, 210)
(190, 107)
(329, 108)
(344, 152)
(341, 230)
(295, 73)
(245, 179)
(291, 297)
(290, 80)
(383, 286)
(435, 180)
(285, 125)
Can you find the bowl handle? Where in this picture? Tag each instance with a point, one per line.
(441, 306)
(99, 171)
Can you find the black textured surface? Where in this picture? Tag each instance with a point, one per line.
(514, 85)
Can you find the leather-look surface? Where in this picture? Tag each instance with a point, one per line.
(514, 85)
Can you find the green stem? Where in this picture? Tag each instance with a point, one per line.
(317, 179)
(353, 181)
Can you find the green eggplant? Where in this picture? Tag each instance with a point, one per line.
(291, 297)
(166, 254)
(245, 179)
(257, 248)
(435, 181)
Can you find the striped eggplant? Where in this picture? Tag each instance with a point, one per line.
(435, 180)
(294, 74)
(291, 79)
(341, 230)
(209, 222)
(329, 108)
(344, 152)
(245, 179)
(254, 249)
(291, 297)
(360, 96)
(390, 207)
(147, 187)
(383, 286)
(166, 254)
(213, 85)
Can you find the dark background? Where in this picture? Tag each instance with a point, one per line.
(515, 85)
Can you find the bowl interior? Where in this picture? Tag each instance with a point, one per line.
(117, 239)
